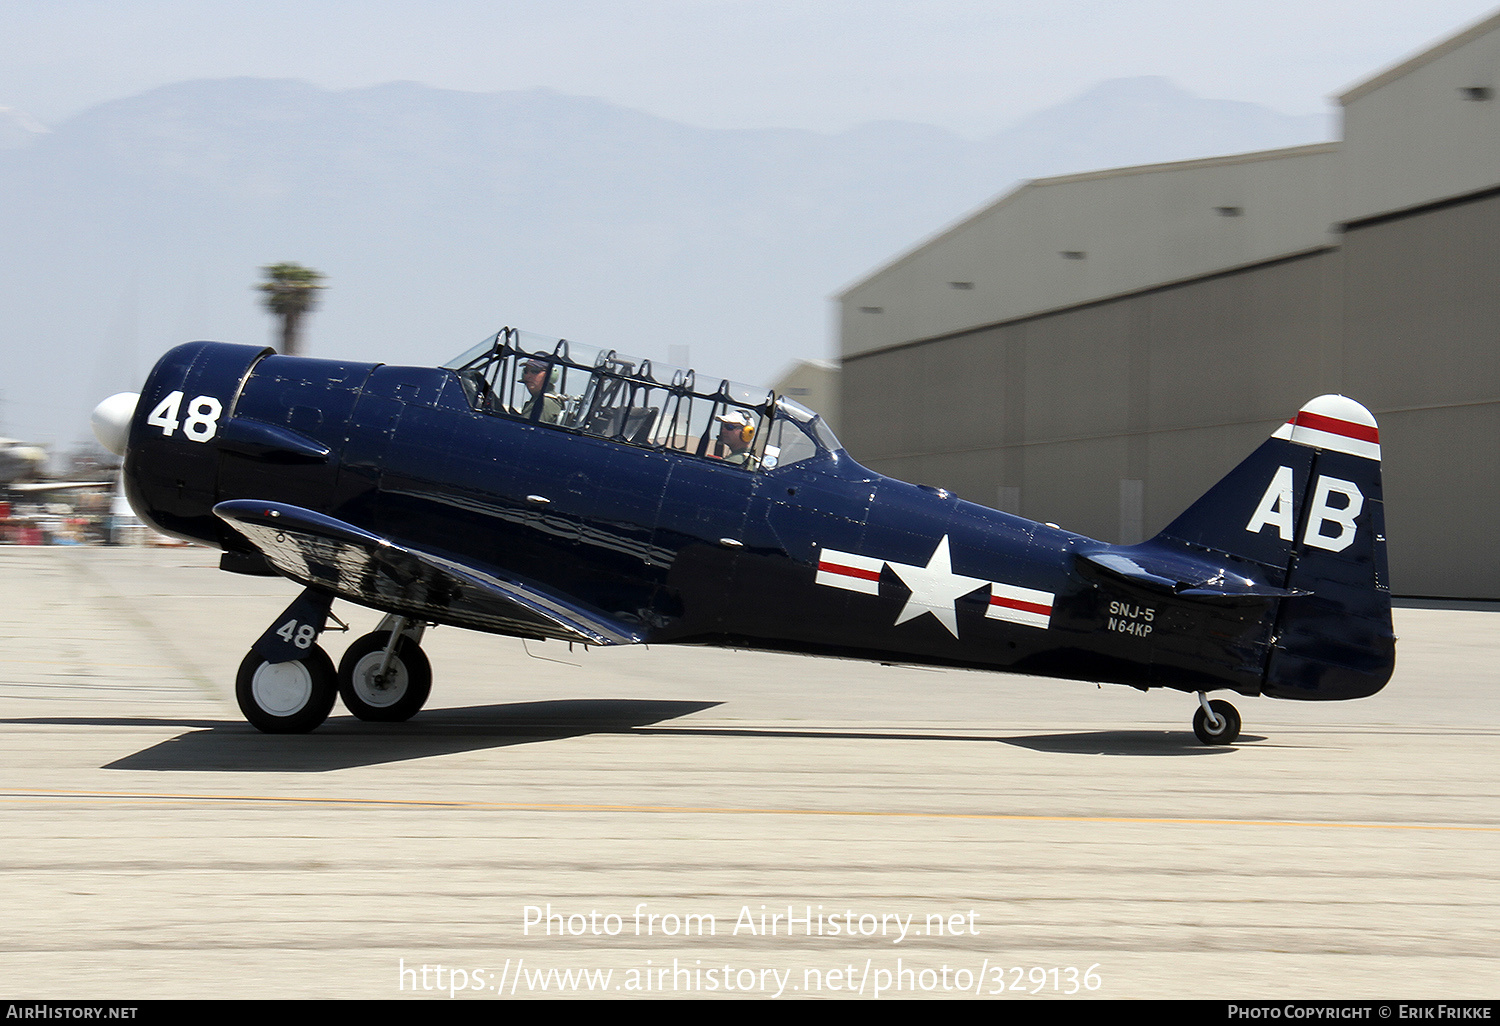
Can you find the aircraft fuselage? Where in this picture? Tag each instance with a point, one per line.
(822, 556)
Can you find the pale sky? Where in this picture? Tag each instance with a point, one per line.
(972, 66)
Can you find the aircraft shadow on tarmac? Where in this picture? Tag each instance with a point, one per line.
(1104, 742)
(344, 742)
(1123, 742)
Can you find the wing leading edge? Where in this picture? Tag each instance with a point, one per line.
(322, 552)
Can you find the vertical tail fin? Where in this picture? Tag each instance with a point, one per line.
(1307, 507)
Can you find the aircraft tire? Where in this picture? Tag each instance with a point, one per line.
(408, 691)
(1229, 730)
(287, 698)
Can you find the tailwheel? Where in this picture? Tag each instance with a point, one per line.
(292, 697)
(1216, 722)
(384, 683)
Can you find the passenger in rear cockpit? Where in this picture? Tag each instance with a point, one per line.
(534, 375)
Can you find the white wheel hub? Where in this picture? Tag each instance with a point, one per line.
(373, 692)
(282, 689)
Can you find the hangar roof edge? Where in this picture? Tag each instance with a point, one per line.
(1427, 56)
(1083, 176)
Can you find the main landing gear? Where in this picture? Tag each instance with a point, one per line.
(385, 676)
(286, 698)
(1216, 722)
(287, 683)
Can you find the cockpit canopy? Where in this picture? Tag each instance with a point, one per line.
(610, 395)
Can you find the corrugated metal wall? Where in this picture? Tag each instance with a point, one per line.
(1422, 340)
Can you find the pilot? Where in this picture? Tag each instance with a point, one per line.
(736, 430)
(534, 374)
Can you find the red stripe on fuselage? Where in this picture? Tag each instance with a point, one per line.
(1025, 607)
(849, 571)
(1334, 426)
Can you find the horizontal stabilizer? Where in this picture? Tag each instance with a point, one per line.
(322, 552)
(1175, 574)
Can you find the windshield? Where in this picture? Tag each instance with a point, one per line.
(611, 395)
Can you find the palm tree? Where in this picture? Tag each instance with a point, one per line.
(291, 291)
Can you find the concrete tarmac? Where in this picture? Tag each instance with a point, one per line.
(703, 823)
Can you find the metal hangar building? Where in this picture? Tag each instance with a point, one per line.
(1096, 350)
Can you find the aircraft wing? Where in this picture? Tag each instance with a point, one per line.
(322, 552)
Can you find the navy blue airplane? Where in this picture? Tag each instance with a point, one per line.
(543, 489)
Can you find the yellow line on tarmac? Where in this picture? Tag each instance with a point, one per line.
(29, 795)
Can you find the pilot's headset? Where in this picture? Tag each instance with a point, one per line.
(740, 419)
(542, 361)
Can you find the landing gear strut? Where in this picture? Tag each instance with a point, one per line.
(286, 684)
(1216, 722)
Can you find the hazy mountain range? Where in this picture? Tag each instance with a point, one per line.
(438, 216)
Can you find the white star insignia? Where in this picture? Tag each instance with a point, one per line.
(935, 588)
